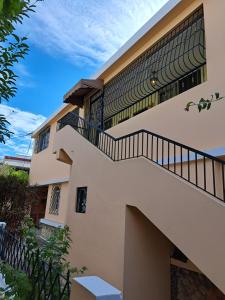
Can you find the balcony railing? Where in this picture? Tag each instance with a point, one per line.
(202, 170)
(172, 65)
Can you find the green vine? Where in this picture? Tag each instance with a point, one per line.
(204, 104)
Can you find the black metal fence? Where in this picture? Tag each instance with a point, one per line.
(204, 171)
(46, 281)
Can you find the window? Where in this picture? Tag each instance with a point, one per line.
(81, 199)
(190, 81)
(108, 124)
(43, 140)
(54, 202)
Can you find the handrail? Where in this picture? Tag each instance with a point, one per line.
(201, 169)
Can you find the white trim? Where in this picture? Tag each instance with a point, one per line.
(52, 181)
(216, 152)
(52, 223)
(99, 288)
(170, 5)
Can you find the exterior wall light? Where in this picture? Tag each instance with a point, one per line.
(153, 79)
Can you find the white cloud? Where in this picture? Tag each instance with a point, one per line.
(24, 77)
(87, 31)
(23, 123)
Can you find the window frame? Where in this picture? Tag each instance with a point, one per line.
(81, 204)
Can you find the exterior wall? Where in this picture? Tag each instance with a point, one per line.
(188, 285)
(63, 204)
(146, 259)
(44, 166)
(174, 207)
(200, 130)
(45, 169)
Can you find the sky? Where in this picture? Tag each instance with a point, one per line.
(69, 40)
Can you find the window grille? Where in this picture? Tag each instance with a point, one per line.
(54, 202)
(42, 141)
(69, 119)
(177, 62)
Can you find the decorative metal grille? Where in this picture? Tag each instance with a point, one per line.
(158, 74)
(42, 141)
(66, 119)
(55, 198)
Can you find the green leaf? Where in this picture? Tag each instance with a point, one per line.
(217, 95)
(209, 105)
(202, 100)
(199, 107)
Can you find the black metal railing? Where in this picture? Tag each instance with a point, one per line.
(204, 171)
(46, 281)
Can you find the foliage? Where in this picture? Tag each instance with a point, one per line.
(7, 170)
(15, 196)
(30, 235)
(54, 250)
(12, 49)
(18, 284)
(4, 132)
(204, 103)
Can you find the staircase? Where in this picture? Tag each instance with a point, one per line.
(182, 189)
(204, 171)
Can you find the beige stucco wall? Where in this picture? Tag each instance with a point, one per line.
(146, 258)
(179, 210)
(63, 204)
(44, 166)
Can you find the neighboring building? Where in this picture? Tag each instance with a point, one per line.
(146, 210)
(19, 162)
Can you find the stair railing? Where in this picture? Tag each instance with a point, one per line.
(201, 169)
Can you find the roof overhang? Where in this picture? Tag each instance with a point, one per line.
(76, 95)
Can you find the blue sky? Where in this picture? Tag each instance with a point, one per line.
(69, 40)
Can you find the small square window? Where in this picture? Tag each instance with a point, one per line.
(81, 200)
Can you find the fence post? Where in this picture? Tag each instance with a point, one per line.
(93, 288)
(2, 229)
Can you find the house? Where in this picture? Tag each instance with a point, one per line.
(19, 162)
(139, 180)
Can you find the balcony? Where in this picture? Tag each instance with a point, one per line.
(175, 64)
